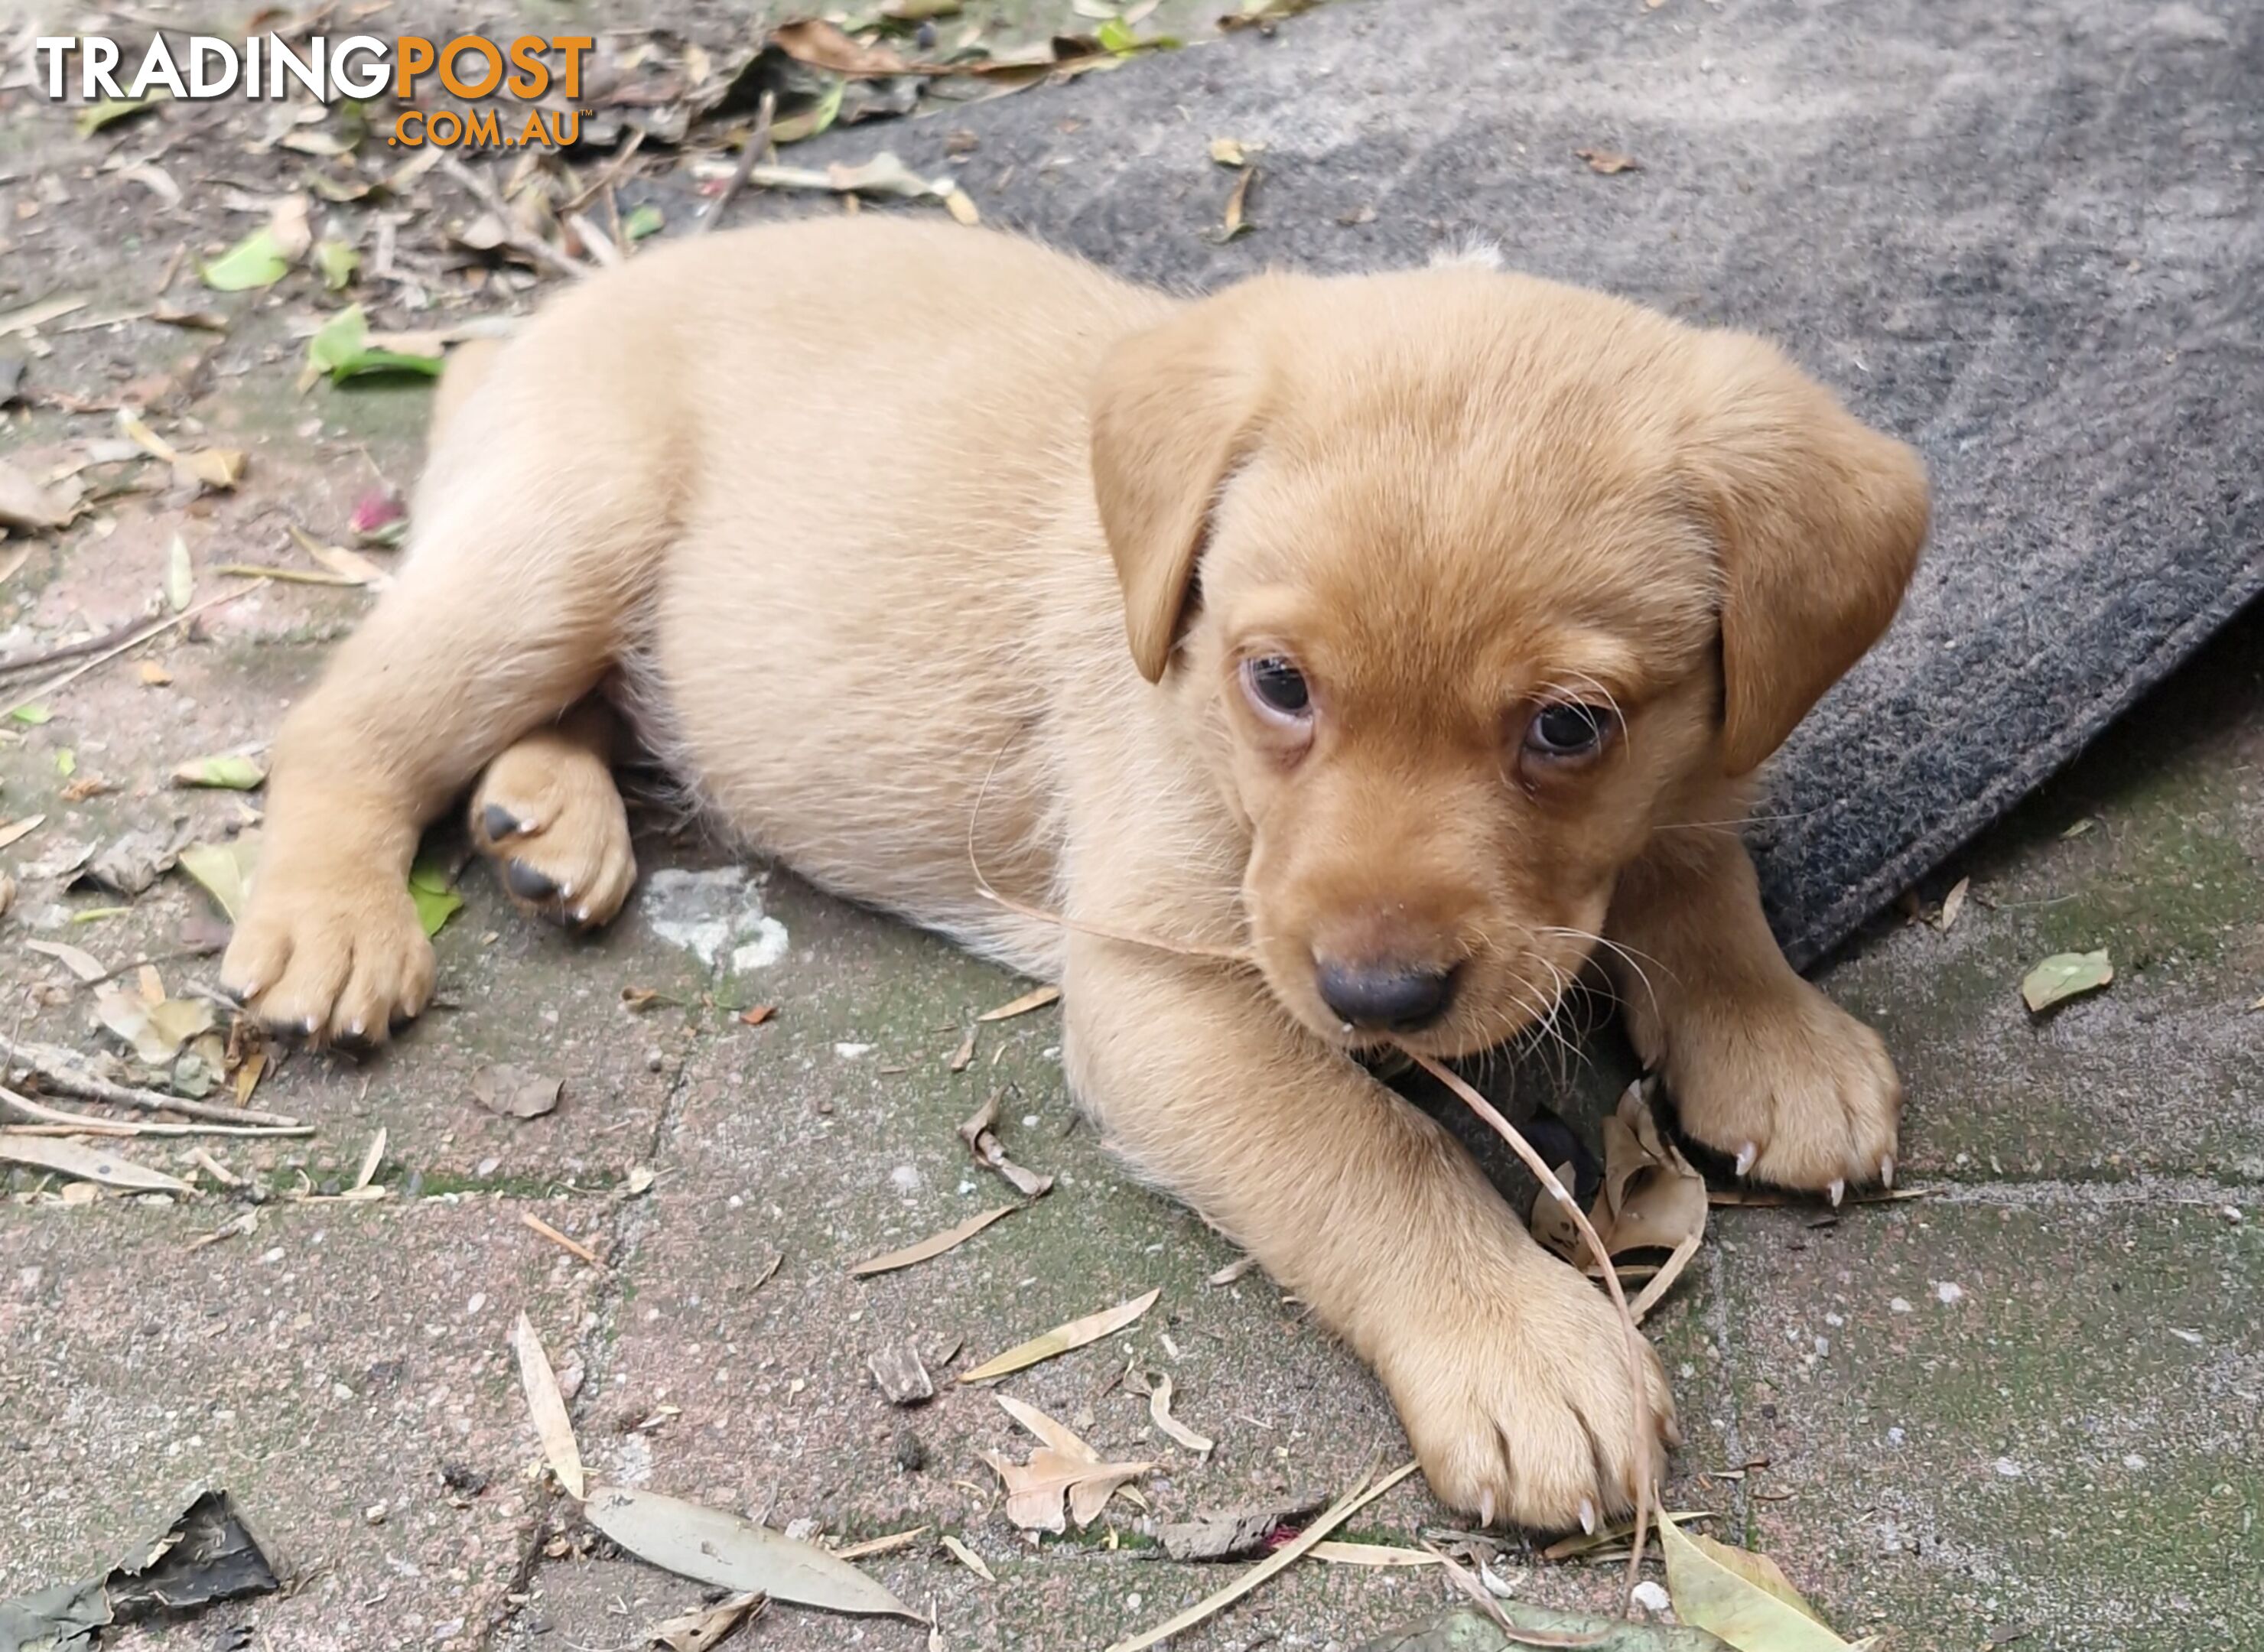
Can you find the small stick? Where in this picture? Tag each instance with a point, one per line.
(561, 1240)
(57, 1117)
(156, 627)
(484, 193)
(63, 1070)
(69, 650)
(609, 175)
(757, 140)
(1539, 1166)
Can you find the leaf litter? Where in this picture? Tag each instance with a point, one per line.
(1064, 1469)
(709, 1546)
(979, 1134)
(1651, 1200)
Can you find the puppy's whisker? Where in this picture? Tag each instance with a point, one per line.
(1634, 958)
(1240, 956)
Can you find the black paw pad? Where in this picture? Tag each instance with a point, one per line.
(500, 822)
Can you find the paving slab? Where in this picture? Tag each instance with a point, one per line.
(2012, 1416)
(828, 1135)
(329, 1370)
(2162, 1073)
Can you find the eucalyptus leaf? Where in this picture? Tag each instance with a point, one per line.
(715, 1546)
(1739, 1597)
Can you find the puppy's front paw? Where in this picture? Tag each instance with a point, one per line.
(333, 954)
(1517, 1399)
(1787, 1084)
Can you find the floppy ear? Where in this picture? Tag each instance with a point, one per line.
(1174, 408)
(1819, 520)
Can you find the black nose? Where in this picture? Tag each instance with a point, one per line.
(1386, 993)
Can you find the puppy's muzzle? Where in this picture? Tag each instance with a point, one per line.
(1385, 995)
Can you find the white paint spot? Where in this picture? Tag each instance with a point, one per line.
(713, 915)
(2007, 1469)
(850, 1051)
(905, 1178)
(768, 946)
(1898, 1305)
(1895, 1436)
(1651, 1596)
(479, 1300)
(2134, 1462)
(1948, 1294)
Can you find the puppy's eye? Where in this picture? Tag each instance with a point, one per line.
(1277, 688)
(1568, 731)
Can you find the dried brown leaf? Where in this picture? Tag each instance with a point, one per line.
(1608, 162)
(934, 1245)
(547, 1407)
(1063, 1338)
(1036, 998)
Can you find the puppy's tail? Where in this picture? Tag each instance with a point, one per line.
(469, 363)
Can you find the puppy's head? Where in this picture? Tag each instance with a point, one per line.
(1466, 582)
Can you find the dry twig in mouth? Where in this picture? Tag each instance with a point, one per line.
(1534, 1161)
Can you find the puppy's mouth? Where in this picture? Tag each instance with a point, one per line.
(1470, 1013)
(1478, 1003)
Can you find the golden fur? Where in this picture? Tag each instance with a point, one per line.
(859, 572)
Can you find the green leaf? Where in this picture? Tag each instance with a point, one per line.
(812, 120)
(642, 222)
(231, 772)
(340, 348)
(1740, 1597)
(35, 714)
(436, 902)
(337, 261)
(1114, 36)
(94, 117)
(224, 869)
(2064, 976)
(67, 763)
(257, 260)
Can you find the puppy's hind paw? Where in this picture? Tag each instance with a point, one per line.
(552, 820)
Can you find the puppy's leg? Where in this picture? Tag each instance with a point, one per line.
(1763, 1068)
(1508, 1368)
(509, 611)
(549, 814)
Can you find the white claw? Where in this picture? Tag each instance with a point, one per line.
(1587, 1516)
(1837, 1191)
(1485, 1507)
(1887, 1170)
(1746, 1154)
(307, 1026)
(355, 1031)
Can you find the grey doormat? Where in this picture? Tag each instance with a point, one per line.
(2030, 239)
